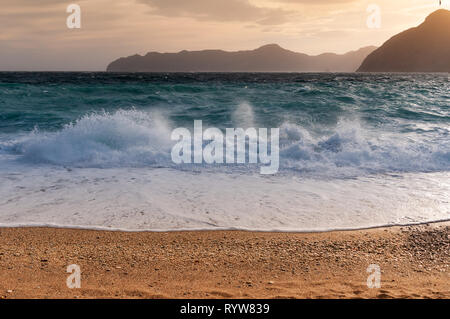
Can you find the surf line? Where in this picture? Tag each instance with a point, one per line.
(191, 149)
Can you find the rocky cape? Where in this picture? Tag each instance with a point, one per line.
(425, 48)
(268, 58)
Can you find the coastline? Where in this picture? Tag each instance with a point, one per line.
(414, 262)
(232, 229)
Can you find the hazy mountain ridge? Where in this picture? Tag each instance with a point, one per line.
(268, 58)
(425, 48)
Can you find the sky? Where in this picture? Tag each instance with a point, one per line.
(34, 35)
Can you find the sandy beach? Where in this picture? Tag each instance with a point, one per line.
(414, 262)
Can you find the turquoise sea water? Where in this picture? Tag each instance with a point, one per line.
(356, 150)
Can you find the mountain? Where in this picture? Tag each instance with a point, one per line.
(268, 58)
(425, 48)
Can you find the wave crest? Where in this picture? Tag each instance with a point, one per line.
(102, 139)
(130, 138)
(351, 149)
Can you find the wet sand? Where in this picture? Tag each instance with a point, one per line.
(414, 263)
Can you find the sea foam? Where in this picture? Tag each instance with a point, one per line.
(132, 138)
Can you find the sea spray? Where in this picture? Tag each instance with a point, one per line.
(93, 150)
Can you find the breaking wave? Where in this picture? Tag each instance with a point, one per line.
(132, 138)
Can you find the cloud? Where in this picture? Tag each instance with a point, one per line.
(218, 10)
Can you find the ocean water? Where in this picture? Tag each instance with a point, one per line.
(92, 150)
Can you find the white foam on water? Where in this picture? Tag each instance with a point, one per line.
(123, 138)
(243, 116)
(166, 199)
(134, 138)
(113, 171)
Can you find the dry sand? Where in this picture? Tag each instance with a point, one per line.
(414, 263)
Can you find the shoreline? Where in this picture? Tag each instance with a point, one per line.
(182, 230)
(414, 262)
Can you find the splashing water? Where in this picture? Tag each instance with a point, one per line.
(93, 151)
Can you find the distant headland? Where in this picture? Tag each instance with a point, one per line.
(425, 48)
(268, 58)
